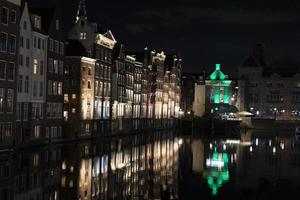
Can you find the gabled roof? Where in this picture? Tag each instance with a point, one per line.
(109, 35)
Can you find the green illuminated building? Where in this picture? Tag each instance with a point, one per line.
(218, 87)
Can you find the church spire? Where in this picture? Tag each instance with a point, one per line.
(81, 11)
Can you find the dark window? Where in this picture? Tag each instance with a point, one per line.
(42, 67)
(20, 80)
(21, 41)
(39, 43)
(34, 42)
(25, 25)
(21, 60)
(11, 71)
(4, 18)
(12, 44)
(27, 61)
(27, 43)
(26, 84)
(13, 16)
(3, 42)
(2, 70)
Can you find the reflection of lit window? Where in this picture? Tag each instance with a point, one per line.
(73, 110)
(72, 169)
(71, 184)
(87, 127)
(64, 165)
(37, 131)
(63, 181)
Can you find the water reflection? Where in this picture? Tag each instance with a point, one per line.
(133, 167)
(258, 165)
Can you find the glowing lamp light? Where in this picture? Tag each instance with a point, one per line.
(274, 150)
(210, 146)
(270, 143)
(250, 149)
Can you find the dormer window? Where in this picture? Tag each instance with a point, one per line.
(83, 36)
(37, 22)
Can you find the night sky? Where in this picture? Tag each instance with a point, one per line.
(204, 32)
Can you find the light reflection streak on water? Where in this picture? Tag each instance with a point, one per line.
(134, 166)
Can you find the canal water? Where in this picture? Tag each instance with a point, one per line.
(157, 165)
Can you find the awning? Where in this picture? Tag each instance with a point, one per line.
(244, 113)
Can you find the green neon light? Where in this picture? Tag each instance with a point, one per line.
(218, 74)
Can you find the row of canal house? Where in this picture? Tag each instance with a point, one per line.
(108, 89)
(80, 84)
(31, 74)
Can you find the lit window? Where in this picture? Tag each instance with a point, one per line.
(66, 98)
(73, 96)
(35, 66)
(73, 110)
(37, 130)
(66, 115)
(37, 22)
(59, 90)
(83, 36)
(35, 160)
